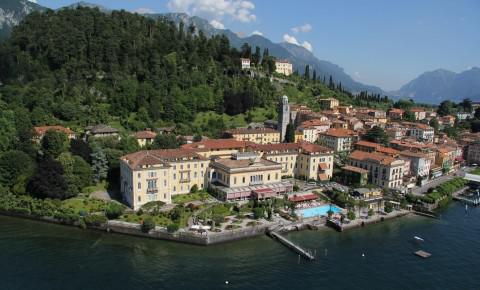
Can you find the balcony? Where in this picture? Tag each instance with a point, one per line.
(260, 182)
(152, 190)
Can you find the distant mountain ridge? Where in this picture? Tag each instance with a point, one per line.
(12, 12)
(298, 55)
(439, 85)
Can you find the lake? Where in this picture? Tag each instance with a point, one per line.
(38, 256)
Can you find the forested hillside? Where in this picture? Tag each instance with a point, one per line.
(82, 66)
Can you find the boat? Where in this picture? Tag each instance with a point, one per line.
(418, 239)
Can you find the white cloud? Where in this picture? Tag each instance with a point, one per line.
(144, 10)
(256, 32)
(33, 1)
(240, 10)
(307, 45)
(217, 24)
(356, 74)
(290, 39)
(304, 28)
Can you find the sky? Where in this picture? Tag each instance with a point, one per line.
(377, 42)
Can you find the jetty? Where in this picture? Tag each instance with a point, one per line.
(296, 248)
(422, 254)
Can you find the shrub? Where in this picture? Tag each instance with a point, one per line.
(194, 188)
(148, 224)
(218, 219)
(388, 207)
(171, 228)
(370, 212)
(95, 220)
(351, 215)
(258, 212)
(82, 224)
(114, 210)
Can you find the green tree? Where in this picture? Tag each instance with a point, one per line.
(290, 134)
(54, 143)
(446, 108)
(377, 135)
(48, 181)
(7, 130)
(165, 141)
(16, 168)
(409, 116)
(99, 164)
(434, 123)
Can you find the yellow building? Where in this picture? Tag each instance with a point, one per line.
(283, 67)
(383, 170)
(328, 104)
(339, 140)
(301, 160)
(156, 175)
(223, 148)
(259, 136)
(298, 136)
(145, 138)
(247, 175)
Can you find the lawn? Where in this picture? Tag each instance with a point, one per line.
(475, 171)
(134, 218)
(87, 205)
(102, 186)
(184, 198)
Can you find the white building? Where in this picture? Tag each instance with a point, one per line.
(245, 63)
(283, 67)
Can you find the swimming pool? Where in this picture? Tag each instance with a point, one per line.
(318, 211)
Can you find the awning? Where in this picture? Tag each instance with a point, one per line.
(303, 197)
(323, 166)
(264, 193)
(322, 177)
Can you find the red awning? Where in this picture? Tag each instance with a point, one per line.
(323, 166)
(304, 197)
(264, 193)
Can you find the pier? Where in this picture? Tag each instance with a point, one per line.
(296, 248)
(470, 201)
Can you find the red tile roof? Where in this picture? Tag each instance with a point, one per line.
(41, 130)
(373, 156)
(145, 135)
(217, 144)
(339, 133)
(155, 157)
(252, 131)
(355, 169)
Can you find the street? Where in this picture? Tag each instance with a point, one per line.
(438, 181)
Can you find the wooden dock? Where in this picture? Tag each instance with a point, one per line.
(296, 248)
(422, 254)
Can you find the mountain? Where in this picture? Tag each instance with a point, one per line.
(12, 12)
(298, 55)
(439, 85)
(88, 5)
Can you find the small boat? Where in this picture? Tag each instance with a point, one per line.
(418, 239)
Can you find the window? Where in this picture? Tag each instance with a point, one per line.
(174, 188)
(139, 175)
(243, 179)
(195, 174)
(139, 185)
(174, 176)
(165, 183)
(139, 198)
(174, 167)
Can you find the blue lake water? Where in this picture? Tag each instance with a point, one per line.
(44, 256)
